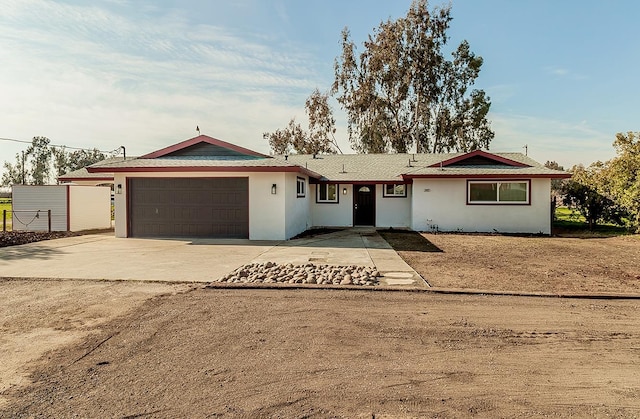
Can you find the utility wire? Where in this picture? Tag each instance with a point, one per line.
(61, 146)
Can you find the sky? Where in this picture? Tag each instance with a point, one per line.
(562, 75)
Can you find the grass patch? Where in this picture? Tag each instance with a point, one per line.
(569, 222)
(406, 240)
(5, 204)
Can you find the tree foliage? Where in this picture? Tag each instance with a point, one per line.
(621, 176)
(401, 91)
(556, 184)
(67, 161)
(39, 153)
(582, 193)
(320, 138)
(40, 160)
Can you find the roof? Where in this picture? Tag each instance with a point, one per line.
(404, 167)
(84, 174)
(221, 148)
(197, 164)
(207, 154)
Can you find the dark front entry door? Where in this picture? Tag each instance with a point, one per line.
(364, 205)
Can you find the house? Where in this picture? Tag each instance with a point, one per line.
(205, 187)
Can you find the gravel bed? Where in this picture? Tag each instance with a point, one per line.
(272, 273)
(15, 238)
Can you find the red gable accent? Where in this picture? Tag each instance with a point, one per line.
(480, 153)
(202, 139)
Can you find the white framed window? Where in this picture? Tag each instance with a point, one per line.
(395, 190)
(301, 187)
(327, 193)
(488, 192)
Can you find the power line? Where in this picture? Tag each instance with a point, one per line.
(62, 146)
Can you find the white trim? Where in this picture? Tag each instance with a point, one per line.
(327, 200)
(301, 187)
(395, 193)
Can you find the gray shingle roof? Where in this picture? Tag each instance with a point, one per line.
(392, 167)
(344, 167)
(84, 173)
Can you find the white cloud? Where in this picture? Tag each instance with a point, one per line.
(564, 72)
(85, 76)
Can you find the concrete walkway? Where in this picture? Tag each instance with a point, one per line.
(361, 246)
(102, 256)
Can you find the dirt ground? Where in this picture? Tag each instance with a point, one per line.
(135, 349)
(330, 353)
(38, 317)
(546, 264)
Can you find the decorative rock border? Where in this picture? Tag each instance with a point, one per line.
(272, 273)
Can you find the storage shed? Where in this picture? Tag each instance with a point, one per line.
(71, 207)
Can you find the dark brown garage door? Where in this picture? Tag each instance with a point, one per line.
(189, 207)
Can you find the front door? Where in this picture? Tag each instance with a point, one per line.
(364, 205)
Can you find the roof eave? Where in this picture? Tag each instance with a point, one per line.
(488, 176)
(71, 179)
(191, 169)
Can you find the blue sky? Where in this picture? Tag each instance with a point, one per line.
(562, 75)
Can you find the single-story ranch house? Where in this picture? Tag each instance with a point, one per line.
(204, 187)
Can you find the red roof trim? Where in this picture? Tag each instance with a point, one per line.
(367, 182)
(272, 169)
(201, 139)
(481, 153)
(71, 179)
(488, 176)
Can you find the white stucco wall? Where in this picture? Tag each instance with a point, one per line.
(267, 212)
(332, 214)
(393, 211)
(89, 207)
(445, 205)
(298, 216)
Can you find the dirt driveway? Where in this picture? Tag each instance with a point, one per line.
(330, 353)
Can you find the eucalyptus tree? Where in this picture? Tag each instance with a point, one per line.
(402, 92)
(320, 137)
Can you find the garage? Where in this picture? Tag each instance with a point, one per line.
(189, 207)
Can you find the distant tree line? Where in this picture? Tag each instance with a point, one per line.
(41, 163)
(606, 191)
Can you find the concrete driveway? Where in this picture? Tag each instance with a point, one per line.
(102, 256)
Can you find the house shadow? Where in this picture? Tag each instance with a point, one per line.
(408, 241)
(27, 251)
(345, 238)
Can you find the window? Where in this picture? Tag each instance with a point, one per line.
(327, 193)
(397, 190)
(496, 192)
(301, 187)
